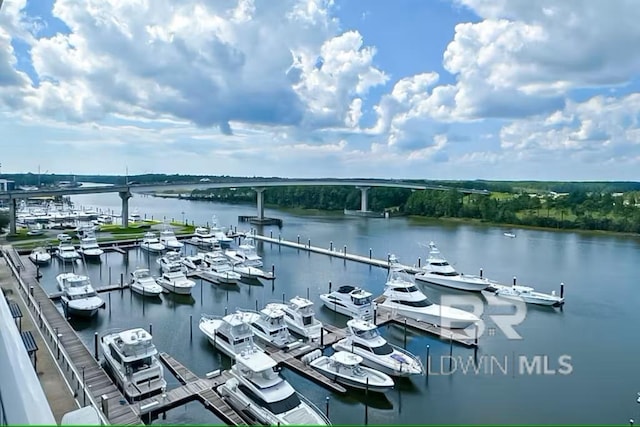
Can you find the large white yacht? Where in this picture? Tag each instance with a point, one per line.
(269, 326)
(67, 252)
(345, 368)
(438, 271)
(401, 296)
(245, 254)
(219, 235)
(40, 256)
(350, 301)
(175, 281)
(300, 317)
(89, 248)
(150, 243)
(169, 240)
(171, 261)
(229, 334)
(203, 237)
(220, 269)
(78, 296)
(364, 340)
(258, 390)
(130, 356)
(144, 284)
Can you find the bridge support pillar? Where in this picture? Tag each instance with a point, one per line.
(12, 216)
(364, 198)
(260, 202)
(125, 196)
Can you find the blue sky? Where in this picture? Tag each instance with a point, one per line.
(460, 89)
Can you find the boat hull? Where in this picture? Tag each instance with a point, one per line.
(366, 314)
(528, 299)
(74, 310)
(40, 260)
(373, 363)
(473, 284)
(146, 291)
(323, 366)
(438, 315)
(180, 290)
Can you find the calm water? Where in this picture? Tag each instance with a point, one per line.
(595, 333)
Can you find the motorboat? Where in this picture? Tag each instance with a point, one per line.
(143, 283)
(151, 243)
(62, 237)
(130, 357)
(364, 339)
(345, 368)
(78, 296)
(245, 254)
(203, 237)
(259, 391)
(438, 271)
(175, 281)
(193, 262)
(509, 234)
(300, 317)
(105, 219)
(525, 294)
(89, 248)
(229, 334)
(219, 235)
(220, 270)
(350, 301)
(40, 256)
(135, 217)
(252, 273)
(401, 296)
(171, 261)
(169, 240)
(67, 252)
(269, 326)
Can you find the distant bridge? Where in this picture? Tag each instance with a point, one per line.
(259, 186)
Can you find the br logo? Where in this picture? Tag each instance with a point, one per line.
(504, 314)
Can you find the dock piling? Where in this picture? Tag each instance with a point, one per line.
(298, 239)
(273, 271)
(225, 311)
(344, 250)
(331, 246)
(309, 243)
(308, 292)
(256, 305)
(514, 280)
(109, 303)
(481, 273)
(327, 409)
(427, 360)
(191, 327)
(329, 286)
(95, 345)
(450, 352)
(419, 262)
(150, 329)
(405, 333)
(110, 275)
(561, 289)
(366, 402)
(283, 297)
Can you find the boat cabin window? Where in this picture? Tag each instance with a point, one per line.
(450, 273)
(307, 320)
(279, 407)
(421, 303)
(383, 350)
(258, 327)
(368, 334)
(115, 354)
(139, 364)
(439, 263)
(240, 341)
(408, 289)
(289, 315)
(361, 301)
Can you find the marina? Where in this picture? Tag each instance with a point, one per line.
(204, 363)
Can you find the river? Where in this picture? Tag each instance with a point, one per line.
(578, 365)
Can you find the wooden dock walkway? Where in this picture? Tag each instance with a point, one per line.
(333, 252)
(71, 354)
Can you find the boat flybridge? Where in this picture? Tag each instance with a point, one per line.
(130, 356)
(175, 281)
(438, 271)
(364, 339)
(169, 240)
(171, 261)
(350, 301)
(229, 334)
(245, 253)
(40, 256)
(203, 237)
(300, 317)
(270, 327)
(218, 234)
(89, 248)
(258, 390)
(401, 296)
(345, 368)
(144, 284)
(220, 269)
(525, 294)
(78, 296)
(150, 243)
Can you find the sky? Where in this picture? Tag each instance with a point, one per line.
(420, 89)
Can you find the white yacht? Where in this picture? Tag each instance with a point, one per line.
(130, 356)
(89, 248)
(258, 390)
(169, 240)
(220, 269)
(78, 296)
(245, 254)
(350, 301)
(252, 273)
(344, 368)
(219, 235)
(62, 237)
(364, 340)
(300, 317)
(105, 219)
(135, 217)
(203, 237)
(67, 252)
(175, 281)
(401, 296)
(40, 256)
(193, 262)
(144, 284)
(525, 294)
(269, 326)
(438, 271)
(171, 261)
(151, 243)
(229, 334)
